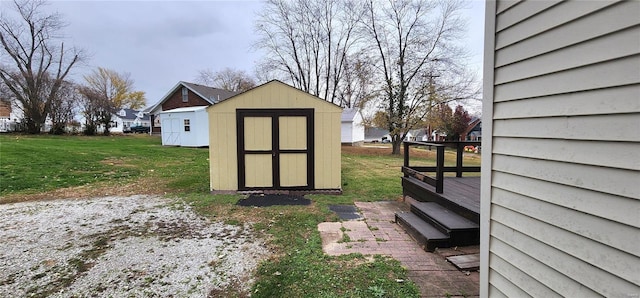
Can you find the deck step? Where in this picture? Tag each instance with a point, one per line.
(443, 216)
(460, 230)
(424, 192)
(428, 236)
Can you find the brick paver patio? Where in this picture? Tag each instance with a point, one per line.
(378, 233)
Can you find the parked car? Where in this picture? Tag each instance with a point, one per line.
(140, 129)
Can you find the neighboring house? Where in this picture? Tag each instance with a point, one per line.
(7, 121)
(438, 136)
(417, 135)
(560, 207)
(473, 131)
(274, 137)
(351, 127)
(184, 95)
(124, 119)
(376, 135)
(187, 127)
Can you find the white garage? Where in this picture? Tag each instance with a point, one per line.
(187, 127)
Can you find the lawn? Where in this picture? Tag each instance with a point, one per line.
(35, 164)
(42, 167)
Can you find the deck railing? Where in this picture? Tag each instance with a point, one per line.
(439, 169)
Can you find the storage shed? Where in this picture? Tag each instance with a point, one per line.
(187, 127)
(352, 128)
(274, 138)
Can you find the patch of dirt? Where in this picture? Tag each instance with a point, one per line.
(123, 247)
(364, 150)
(142, 186)
(115, 162)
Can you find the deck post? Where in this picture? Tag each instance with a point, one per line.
(406, 154)
(440, 169)
(459, 152)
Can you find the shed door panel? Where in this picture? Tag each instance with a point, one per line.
(292, 132)
(257, 133)
(293, 169)
(275, 149)
(258, 152)
(259, 170)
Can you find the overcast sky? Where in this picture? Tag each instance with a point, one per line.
(162, 42)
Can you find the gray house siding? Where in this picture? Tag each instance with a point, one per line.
(561, 187)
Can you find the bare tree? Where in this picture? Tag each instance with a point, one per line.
(107, 91)
(94, 110)
(5, 94)
(228, 79)
(412, 43)
(307, 43)
(357, 88)
(63, 108)
(34, 65)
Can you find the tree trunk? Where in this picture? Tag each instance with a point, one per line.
(34, 124)
(396, 142)
(33, 127)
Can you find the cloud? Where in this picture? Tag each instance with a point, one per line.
(161, 42)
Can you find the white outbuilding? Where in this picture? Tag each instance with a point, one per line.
(351, 128)
(186, 127)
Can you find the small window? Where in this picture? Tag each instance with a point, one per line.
(185, 94)
(187, 125)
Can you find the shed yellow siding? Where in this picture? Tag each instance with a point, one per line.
(327, 149)
(223, 149)
(223, 154)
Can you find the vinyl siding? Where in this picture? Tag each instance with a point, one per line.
(561, 185)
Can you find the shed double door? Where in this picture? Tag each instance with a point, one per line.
(275, 149)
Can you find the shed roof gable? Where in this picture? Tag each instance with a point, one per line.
(275, 94)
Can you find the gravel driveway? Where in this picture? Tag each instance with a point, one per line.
(138, 246)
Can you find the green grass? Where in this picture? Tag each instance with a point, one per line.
(36, 164)
(32, 164)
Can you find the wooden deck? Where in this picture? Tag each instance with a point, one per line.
(464, 191)
(448, 209)
(461, 194)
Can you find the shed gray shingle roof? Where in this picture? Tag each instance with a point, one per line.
(211, 94)
(348, 114)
